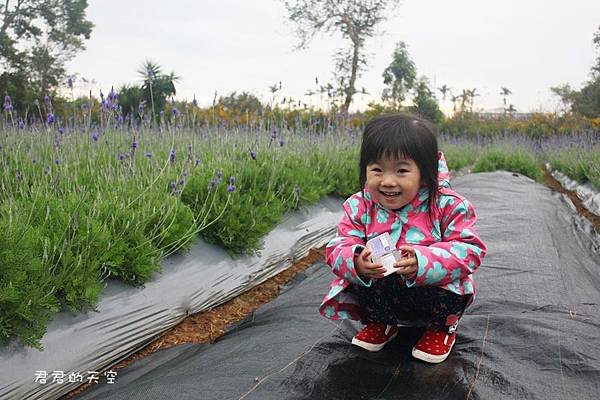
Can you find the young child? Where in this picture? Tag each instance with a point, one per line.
(405, 192)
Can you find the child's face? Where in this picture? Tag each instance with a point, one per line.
(393, 182)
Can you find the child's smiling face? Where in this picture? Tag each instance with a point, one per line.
(393, 182)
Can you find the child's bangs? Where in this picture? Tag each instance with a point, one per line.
(388, 145)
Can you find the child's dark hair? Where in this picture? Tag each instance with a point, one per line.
(395, 135)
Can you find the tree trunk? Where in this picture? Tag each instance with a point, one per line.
(350, 90)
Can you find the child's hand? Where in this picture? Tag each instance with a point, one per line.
(366, 268)
(407, 267)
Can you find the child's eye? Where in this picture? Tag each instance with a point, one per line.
(376, 169)
(403, 171)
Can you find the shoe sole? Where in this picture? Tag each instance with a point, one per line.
(430, 358)
(370, 346)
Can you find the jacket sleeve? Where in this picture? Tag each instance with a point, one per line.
(340, 251)
(458, 254)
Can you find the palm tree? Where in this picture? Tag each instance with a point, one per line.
(464, 98)
(471, 95)
(504, 92)
(156, 85)
(444, 90)
(454, 100)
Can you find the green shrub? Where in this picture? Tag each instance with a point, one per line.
(27, 300)
(515, 160)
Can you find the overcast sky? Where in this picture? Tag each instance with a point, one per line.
(247, 45)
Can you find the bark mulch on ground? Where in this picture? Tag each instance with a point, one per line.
(555, 185)
(207, 326)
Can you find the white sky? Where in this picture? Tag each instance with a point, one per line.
(246, 45)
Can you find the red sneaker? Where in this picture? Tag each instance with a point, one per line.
(374, 336)
(434, 346)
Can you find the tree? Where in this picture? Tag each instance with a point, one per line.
(587, 100)
(157, 86)
(504, 92)
(354, 19)
(444, 90)
(242, 103)
(37, 38)
(399, 76)
(424, 103)
(470, 96)
(131, 99)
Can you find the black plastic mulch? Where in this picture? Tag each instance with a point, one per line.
(532, 333)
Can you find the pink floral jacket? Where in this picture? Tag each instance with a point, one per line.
(448, 252)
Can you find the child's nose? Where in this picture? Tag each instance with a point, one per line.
(388, 180)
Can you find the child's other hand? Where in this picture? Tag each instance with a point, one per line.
(366, 268)
(407, 267)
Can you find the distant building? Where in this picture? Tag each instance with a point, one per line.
(500, 112)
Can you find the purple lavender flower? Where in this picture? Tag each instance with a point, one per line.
(47, 100)
(219, 174)
(181, 182)
(84, 107)
(21, 123)
(112, 95)
(57, 161)
(7, 103)
(50, 118)
(189, 147)
(61, 130)
(70, 83)
(281, 142)
(230, 188)
(172, 156)
(121, 156)
(195, 102)
(175, 112)
(232, 180)
(149, 154)
(252, 155)
(173, 185)
(211, 185)
(134, 144)
(95, 136)
(198, 161)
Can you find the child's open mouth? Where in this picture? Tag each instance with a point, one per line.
(390, 194)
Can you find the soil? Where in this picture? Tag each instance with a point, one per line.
(555, 185)
(207, 326)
